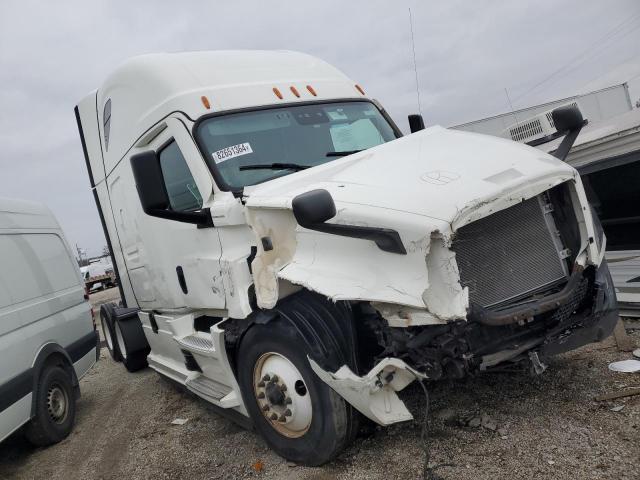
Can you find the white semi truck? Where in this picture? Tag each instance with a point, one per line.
(285, 253)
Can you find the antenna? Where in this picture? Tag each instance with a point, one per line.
(415, 68)
(510, 104)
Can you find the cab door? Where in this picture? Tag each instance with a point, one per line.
(171, 265)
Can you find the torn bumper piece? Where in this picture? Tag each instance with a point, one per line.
(374, 394)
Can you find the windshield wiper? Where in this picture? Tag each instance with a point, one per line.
(343, 153)
(275, 166)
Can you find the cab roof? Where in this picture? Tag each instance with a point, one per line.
(147, 88)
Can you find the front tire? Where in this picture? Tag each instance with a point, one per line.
(55, 408)
(300, 417)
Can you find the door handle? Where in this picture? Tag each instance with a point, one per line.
(181, 280)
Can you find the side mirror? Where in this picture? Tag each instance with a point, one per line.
(313, 208)
(416, 123)
(568, 121)
(567, 118)
(153, 194)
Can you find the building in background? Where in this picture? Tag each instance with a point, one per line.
(607, 155)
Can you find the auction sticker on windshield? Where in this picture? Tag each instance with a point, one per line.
(231, 152)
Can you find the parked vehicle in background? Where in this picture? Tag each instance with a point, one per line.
(48, 337)
(98, 276)
(287, 255)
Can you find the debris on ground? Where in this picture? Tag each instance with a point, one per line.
(552, 417)
(179, 421)
(617, 408)
(636, 353)
(613, 395)
(489, 423)
(623, 340)
(625, 366)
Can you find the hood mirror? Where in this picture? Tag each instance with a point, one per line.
(416, 123)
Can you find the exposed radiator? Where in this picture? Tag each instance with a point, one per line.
(510, 253)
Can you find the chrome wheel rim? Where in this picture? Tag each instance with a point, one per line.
(282, 395)
(57, 404)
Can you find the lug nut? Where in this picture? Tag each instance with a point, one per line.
(288, 401)
(265, 408)
(260, 384)
(273, 416)
(283, 387)
(261, 395)
(282, 418)
(266, 378)
(275, 378)
(287, 413)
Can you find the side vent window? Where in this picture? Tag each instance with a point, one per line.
(181, 188)
(106, 119)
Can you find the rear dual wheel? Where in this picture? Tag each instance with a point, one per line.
(297, 414)
(107, 319)
(127, 334)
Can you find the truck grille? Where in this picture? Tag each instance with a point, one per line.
(509, 254)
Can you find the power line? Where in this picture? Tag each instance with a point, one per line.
(597, 44)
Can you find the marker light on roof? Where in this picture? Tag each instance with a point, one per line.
(359, 88)
(277, 92)
(205, 102)
(312, 91)
(295, 91)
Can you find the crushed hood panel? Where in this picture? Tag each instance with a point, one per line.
(437, 173)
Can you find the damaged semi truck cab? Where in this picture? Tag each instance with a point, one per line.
(292, 258)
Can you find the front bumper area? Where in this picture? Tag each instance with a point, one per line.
(587, 327)
(460, 348)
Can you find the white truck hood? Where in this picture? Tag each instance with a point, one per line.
(438, 173)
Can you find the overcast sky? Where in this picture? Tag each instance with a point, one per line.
(467, 54)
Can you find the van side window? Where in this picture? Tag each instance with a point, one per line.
(42, 264)
(181, 188)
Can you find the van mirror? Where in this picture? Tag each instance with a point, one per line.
(416, 123)
(153, 193)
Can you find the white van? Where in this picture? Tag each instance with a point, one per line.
(48, 339)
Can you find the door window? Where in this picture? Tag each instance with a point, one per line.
(181, 187)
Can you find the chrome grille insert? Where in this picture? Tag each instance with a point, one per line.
(510, 253)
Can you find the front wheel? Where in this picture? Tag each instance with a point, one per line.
(297, 414)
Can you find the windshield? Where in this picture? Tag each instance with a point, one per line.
(252, 147)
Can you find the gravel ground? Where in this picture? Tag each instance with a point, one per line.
(546, 427)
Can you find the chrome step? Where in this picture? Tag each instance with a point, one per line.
(198, 344)
(207, 387)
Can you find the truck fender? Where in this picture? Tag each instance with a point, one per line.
(326, 327)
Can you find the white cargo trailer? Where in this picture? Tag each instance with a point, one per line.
(286, 254)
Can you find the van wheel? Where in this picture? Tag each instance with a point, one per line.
(129, 336)
(108, 330)
(55, 408)
(299, 416)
